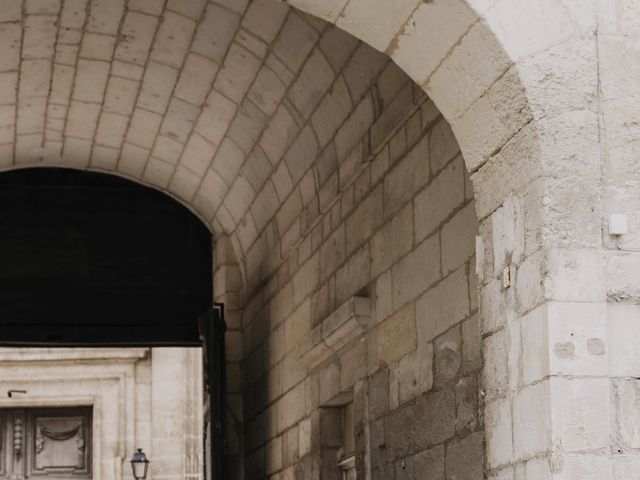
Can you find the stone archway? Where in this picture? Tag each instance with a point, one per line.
(251, 114)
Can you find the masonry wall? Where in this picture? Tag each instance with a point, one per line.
(384, 261)
(620, 194)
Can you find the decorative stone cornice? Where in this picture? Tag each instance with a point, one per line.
(348, 322)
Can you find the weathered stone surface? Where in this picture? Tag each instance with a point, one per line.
(259, 118)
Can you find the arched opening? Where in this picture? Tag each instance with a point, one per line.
(110, 273)
(306, 152)
(90, 259)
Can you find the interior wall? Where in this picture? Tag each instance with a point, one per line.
(382, 258)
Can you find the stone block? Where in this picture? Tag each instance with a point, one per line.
(35, 76)
(434, 418)
(179, 120)
(536, 346)
(396, 336)
(364, 220)
(120, 96)
(575, 275)
(379, 393)
(438, 25)
(580, 413)
(353, 365)
(172, 39)
(314, 80)
(239, 198)
(31, 116)
(301, 154)
(354, 128)
(439, 200)
(416, 272)
(332, 111)
(354, 275)
(246, 127)
(465, 457)
(496, 374)
(82, 121)
(197, 154)
(624, 349)
(157, 87)
(105, 16)
(448, 357)
(111, 130)
(393, 116)
(442, 306)
(399, 428)
(471, 344)
(499, 430)
(137, 35)
(39, 36)
(625, 399)
(267, 91)
(215, 32)
(362, 19)
(392, 241)
(467, 404)
(532, 422)
(531, 287)
(290, 408)
(12, 11)
(406, 376)
(273, 455)
(443, 146)
(196, 79)
(480, 56)
(431, 461)
(406, 178)
(237, 73)
(215, 117)
(458, 239)
(304, 437)
(578, 339)
(332, 252)
(363, 67)
(295, 41)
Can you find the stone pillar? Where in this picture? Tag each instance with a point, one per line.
(228, 290)
(546, 382)
(169, 404)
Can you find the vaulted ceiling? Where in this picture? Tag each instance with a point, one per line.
(243, 110)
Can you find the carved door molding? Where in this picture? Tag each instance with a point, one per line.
(45, 443)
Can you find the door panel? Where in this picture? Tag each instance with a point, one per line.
(46, 443)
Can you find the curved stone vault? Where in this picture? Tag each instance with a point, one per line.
(266, 121)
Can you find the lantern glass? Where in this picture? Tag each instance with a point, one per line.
(140, 465)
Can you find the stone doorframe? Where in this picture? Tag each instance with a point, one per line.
(108, 388)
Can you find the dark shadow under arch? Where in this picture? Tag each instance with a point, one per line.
(91, 258)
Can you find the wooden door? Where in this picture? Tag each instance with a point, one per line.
(53, 443)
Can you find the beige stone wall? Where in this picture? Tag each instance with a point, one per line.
(393, 226)
(542, 98)
(141, 398)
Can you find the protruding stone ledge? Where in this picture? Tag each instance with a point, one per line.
(23, 354)
(348, 322)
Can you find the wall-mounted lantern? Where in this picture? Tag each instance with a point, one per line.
(140, 465)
